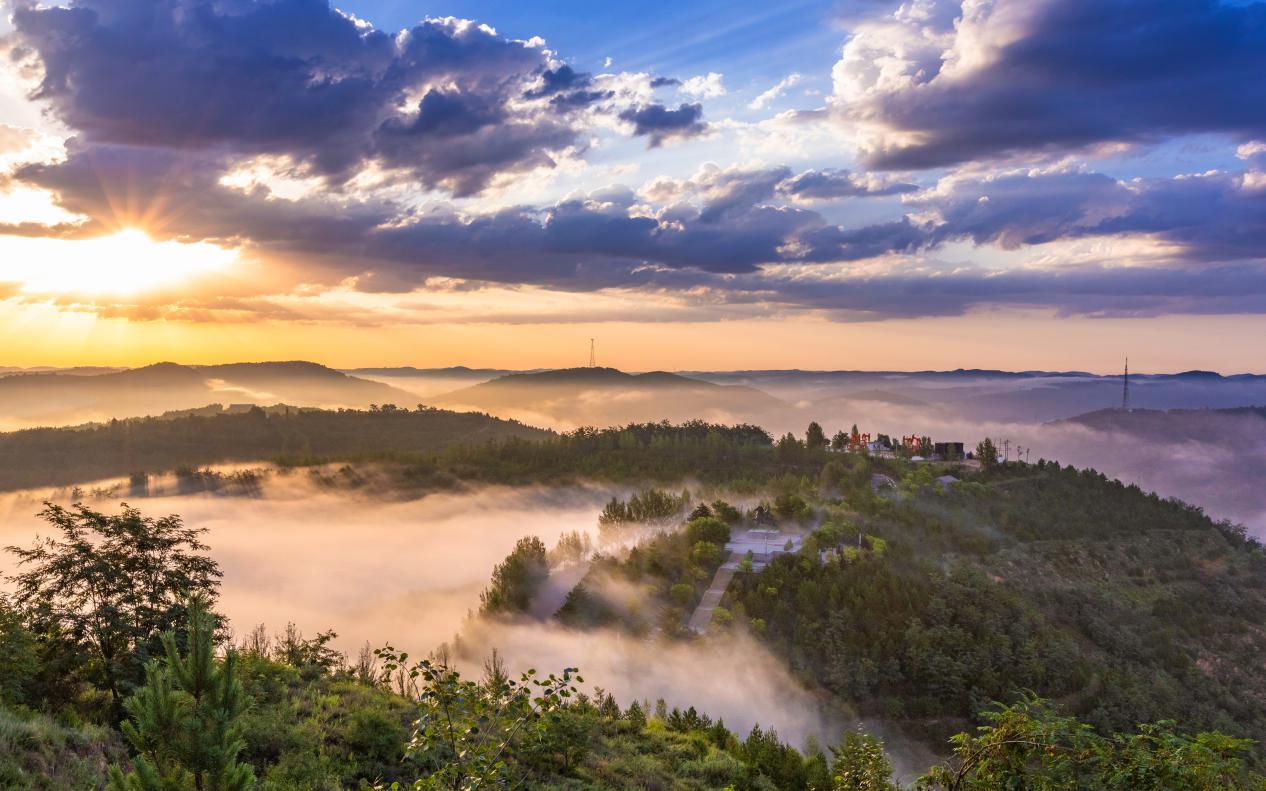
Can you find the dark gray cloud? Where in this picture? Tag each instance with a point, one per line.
(723, 240)
(569, 89)
(1067, 73)
(660, 124)
(1209, 217)
(664, 82)
(166, 96)
(1097, 291)
(448, 103)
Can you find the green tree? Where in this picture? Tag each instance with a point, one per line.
(19, 662)
(839, 441)
(467, 733)
(987, 454)
(815, 437)
(789, 449)
(114, 582)
(709, 529)
(184, 721)
(861, 765)
(516, 579)
(1032, 746)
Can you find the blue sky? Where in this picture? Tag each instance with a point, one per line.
(748, 41)
(805, 170)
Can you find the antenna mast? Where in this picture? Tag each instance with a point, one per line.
(593, 361)
(1125, 388)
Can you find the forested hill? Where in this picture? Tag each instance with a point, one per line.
(1174, 424)
(58, 456)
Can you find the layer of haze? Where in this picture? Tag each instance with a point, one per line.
(410, 572)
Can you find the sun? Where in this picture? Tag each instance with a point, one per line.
(128, 262)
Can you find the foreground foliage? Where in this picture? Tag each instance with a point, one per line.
(184, 723)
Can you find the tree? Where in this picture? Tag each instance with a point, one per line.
(115, 584)
(467, 733)
(861, 765)
(814, 437)
(987, 454)
(184, 721)
(516, 579)
(789, 449)
(839, 441)
(1031, 745)
(19, 662)
(709, 529)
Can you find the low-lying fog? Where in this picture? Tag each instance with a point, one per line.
(409, 572)
(371, 570)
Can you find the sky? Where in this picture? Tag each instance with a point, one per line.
(850, 184)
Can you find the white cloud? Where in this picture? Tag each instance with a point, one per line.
(708, 87)
(773, 93)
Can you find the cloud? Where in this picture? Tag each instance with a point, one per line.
(707, 86)
(762, 101)
(661, 124)
(1208, 217)
(446, 104)
(832, 184)
(941, 82)
(726, 237)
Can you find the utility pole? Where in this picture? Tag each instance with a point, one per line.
(1125, 387)
(1006, 450)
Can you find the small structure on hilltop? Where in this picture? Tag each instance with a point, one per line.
(949, 450)
(764, 545)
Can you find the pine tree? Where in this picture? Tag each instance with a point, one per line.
(183, 721)
(815, 437)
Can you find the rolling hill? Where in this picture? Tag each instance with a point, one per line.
(60, 398)
(572, 397)
(61, 456)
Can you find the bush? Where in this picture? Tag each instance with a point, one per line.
(708, 529)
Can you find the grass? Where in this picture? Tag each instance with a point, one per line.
(37, 752)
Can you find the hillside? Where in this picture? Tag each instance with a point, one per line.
(1172, 424)
(993, 396)
(573, 397)
(63, 398)
(57, 456)
(1118, 605)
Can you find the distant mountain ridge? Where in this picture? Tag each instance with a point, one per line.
(58, 398)
(607, 396)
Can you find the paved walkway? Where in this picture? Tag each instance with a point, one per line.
(702, 616)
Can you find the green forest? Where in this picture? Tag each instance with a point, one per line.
(1037, 625)
(193, 439)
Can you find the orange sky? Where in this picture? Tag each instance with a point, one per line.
(39, 335)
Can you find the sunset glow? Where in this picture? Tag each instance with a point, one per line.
(126, 263)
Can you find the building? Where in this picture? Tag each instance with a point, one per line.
(764, 544)
(950, 450)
